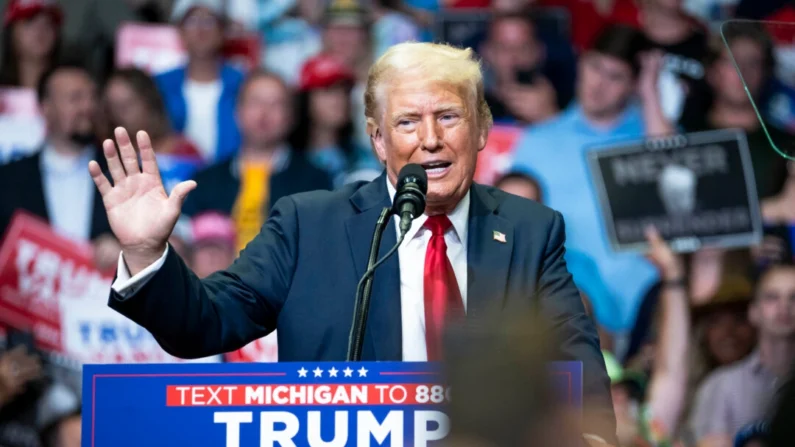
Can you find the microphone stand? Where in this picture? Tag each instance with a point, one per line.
(365, 287)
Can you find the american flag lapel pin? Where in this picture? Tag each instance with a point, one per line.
(499, 237)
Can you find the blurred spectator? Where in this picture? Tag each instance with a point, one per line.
(54, 183)
(265, 169)
(684, 44)
(504, 393)
(200, 96)
(59, 417)
(31, 40)
(214, 245)
(132, 101)
(20, 390)
(520, 184)
(605, 110)
(519, 89)
(741, 393)
(324, 127)
(723, 333)
(346, 35)
(725, 103)
(391, 26)
(290, 39)
(582, 268)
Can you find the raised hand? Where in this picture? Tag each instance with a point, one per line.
(140, 212)
(669, 263)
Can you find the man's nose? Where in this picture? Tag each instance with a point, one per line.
(430, 134)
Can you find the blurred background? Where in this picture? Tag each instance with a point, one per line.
(259, 99)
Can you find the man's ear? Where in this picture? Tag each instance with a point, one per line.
(376, 139)
(378, 143)
(483, 138)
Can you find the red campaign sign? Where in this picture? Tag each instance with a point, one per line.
(264, 350)
(158, 48)
(40, 270)
(495, 158)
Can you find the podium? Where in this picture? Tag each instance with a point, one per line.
(302, 404)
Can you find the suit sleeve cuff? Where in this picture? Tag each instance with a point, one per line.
(125, 285)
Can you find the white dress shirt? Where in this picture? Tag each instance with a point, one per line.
(68, 192)
(411, 256)
(201, 125)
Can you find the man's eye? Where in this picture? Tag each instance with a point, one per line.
(448, 117)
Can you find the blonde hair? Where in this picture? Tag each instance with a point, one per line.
(430, 61)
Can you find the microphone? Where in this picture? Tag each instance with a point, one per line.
(409, 202)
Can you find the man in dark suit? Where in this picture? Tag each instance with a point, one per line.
(474, 249)
(52, 183)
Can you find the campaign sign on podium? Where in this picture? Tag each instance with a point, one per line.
(276, 404)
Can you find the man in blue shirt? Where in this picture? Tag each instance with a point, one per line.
(605, 110)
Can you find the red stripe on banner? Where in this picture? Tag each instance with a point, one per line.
(304, 394)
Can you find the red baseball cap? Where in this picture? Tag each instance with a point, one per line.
(323, 71)
(211, 227)
(25, 9)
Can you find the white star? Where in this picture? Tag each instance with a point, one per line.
(332, 372)
(362, 372)
(348, 371)
(302, 372)
(318, 372)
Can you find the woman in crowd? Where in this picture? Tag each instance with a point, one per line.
(324, 129)
(132, 101)
(31, 40)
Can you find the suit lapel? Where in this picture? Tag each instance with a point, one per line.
(37, 203)
(384, 331)
(488, 258)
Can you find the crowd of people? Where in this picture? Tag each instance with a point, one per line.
(697, 345)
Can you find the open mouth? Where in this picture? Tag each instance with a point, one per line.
(436, 167)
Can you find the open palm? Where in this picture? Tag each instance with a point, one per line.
(139, 211)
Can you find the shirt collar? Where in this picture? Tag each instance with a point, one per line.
(279, 161)
(459, 217)
(55, 162)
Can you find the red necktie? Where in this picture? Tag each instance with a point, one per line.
(442, 297)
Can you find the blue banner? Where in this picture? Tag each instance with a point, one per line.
(275, 404)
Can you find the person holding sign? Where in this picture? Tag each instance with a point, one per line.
(424, 105)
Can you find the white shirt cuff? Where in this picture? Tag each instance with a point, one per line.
(127, 286)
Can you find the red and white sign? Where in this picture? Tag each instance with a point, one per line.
(21, 125)
(495, 158)
(40, 270)
(264, 350)
(50, 286)
(158, 48)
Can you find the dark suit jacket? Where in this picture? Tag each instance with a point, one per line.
(299, 276)
(22, 187)
(218, 185)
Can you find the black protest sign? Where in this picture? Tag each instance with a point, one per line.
(697, 189)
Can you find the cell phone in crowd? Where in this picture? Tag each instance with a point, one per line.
(527, 77)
